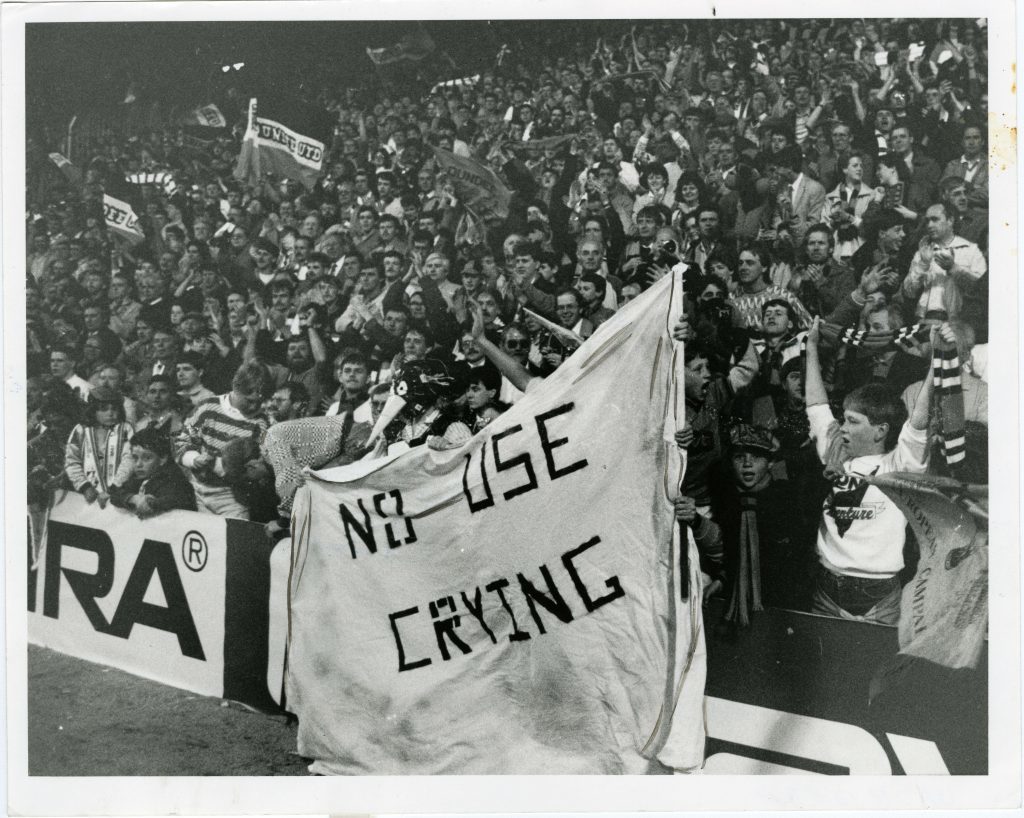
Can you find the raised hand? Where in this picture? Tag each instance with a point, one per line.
(478, 318)
(814, 333)
(873, 278)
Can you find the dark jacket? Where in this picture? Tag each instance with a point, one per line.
(787, 538)
(168, 486)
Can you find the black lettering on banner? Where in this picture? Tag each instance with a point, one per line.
(917, 603)
(519, 460)
(553, 604)
(364, 530)
(550, 445)
(157, 558)
(488, 500)
(388, 532)
(974, 603)
(612, 583)
(496, 587)
(410, 533)
(403, 665)
(87, 588)
(477, 609)
(446, 627)
(378, 504)
(925, 531)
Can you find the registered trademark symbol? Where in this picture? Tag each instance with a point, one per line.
(194, 551)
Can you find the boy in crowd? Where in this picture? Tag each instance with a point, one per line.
(189, 371)
(862, 533)
(156, 484)
(160, 413)
(209, 430)
(766, 563)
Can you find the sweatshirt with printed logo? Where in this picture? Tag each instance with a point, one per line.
(861, 532)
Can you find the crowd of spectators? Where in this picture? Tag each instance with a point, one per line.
(809, 174)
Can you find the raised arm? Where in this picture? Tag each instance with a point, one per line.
(922, 406)
(814, 385)
(317, 346)
(507, 365)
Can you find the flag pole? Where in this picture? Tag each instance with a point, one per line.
(684, 528)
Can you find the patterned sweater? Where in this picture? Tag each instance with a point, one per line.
(214, 424)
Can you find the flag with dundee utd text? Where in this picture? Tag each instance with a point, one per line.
(284, 138)
(515, 605)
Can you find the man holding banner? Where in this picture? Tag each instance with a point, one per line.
(421, 642)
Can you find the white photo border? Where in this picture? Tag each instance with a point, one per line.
(1001, 788)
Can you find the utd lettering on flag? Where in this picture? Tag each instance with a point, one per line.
(283, 138)
(514, 605)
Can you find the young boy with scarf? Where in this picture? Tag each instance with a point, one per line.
(757, 531)
(861, 533)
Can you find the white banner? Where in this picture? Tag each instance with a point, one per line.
(147, 598)
(121, 219)
(513, 606)
(944, 608)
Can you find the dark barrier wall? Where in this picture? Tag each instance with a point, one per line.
(821, 667)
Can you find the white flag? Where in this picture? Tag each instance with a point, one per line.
(121, 219)
(513, 605)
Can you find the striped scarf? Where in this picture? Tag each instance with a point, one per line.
(877, 341)
(100, 468)
(746, 590)
(949, 398)
(164, 179)
(945, 374)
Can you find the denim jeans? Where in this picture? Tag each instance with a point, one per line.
(856, 598)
